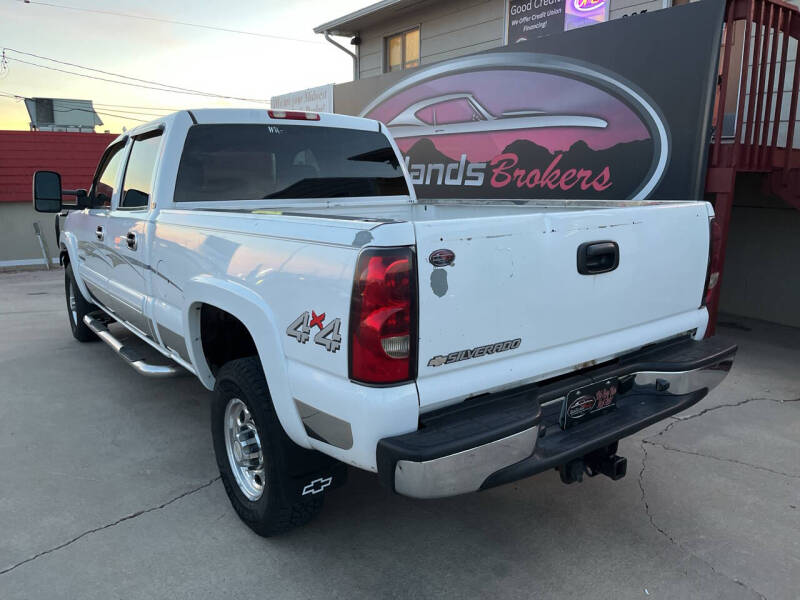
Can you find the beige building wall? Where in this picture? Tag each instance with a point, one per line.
(448, 29)
(19, 246)
(454, 28)
(761, 278)
(619, 9)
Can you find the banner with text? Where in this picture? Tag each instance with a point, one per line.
(316, 99)
(527, 20)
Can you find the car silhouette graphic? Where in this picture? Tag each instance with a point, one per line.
(462, 113)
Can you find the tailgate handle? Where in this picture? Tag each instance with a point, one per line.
(597, 257)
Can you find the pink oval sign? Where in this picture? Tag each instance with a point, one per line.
(524, 125)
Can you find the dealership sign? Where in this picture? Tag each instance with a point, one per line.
(492, 123)
(595, 113)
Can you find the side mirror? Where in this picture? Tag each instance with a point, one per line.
(47, 191)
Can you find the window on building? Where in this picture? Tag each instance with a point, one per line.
(138, 184)
(103, 186)
(402, 50)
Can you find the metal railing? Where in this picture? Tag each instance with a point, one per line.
(768, 68)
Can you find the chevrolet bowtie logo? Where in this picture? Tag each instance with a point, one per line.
(318, 485)
(437, 361)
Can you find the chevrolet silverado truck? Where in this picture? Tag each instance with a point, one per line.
(451, 346)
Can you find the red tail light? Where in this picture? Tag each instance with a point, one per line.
(712, 274)
(383, 317)
(297, 115)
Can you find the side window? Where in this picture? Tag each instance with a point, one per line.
(138, 183)
(459, 110)
(103, 186)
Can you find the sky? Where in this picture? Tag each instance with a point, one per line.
(213, 61)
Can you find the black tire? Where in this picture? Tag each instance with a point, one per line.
(80, 330)
(279, 508)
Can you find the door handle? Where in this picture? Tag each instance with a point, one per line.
(597, 257)
(131, 240)
(99, 234)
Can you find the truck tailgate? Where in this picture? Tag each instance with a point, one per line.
(513, 306)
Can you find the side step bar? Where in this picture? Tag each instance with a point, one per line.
(131, 356)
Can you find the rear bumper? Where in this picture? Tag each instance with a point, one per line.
(503, 437)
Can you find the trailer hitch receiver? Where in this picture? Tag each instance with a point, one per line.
(603, 461)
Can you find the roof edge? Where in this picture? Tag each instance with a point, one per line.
(339, 26)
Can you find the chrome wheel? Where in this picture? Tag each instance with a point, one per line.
(244, 449)
(73, 303)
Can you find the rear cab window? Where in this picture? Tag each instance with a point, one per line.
(255, 162)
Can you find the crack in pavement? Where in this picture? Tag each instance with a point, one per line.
(110, 525)
(672, 540)
(644, 497)
(713, 408)
(677, 420)
(730, 460)
(648, 511)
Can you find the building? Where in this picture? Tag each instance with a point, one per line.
(73, 155)
(400, 34)
(60, 114)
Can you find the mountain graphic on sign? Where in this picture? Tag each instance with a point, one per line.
(628, 164)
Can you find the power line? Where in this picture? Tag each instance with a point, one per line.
(164, 87)
(126, 112)
(104, 105)
(138, 85)
(75, 107)
(174, 22)
(115, 108)
(69, 64)
(105, 114)
(161, 108)
(160, 89)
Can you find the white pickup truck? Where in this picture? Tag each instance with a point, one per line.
(283, 259)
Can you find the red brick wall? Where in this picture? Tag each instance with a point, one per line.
(74, 155)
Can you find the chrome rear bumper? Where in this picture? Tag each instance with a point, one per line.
(518, 434)
(463, 471)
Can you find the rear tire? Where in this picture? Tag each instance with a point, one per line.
(257, 475)
(77, 308)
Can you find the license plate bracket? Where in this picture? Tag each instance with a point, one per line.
(589, 401)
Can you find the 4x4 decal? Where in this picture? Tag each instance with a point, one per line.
(328, 335)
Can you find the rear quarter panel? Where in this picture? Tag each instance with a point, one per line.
(268, 270)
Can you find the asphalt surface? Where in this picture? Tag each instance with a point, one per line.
(109, 489)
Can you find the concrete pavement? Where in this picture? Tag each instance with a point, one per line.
(109, 489)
